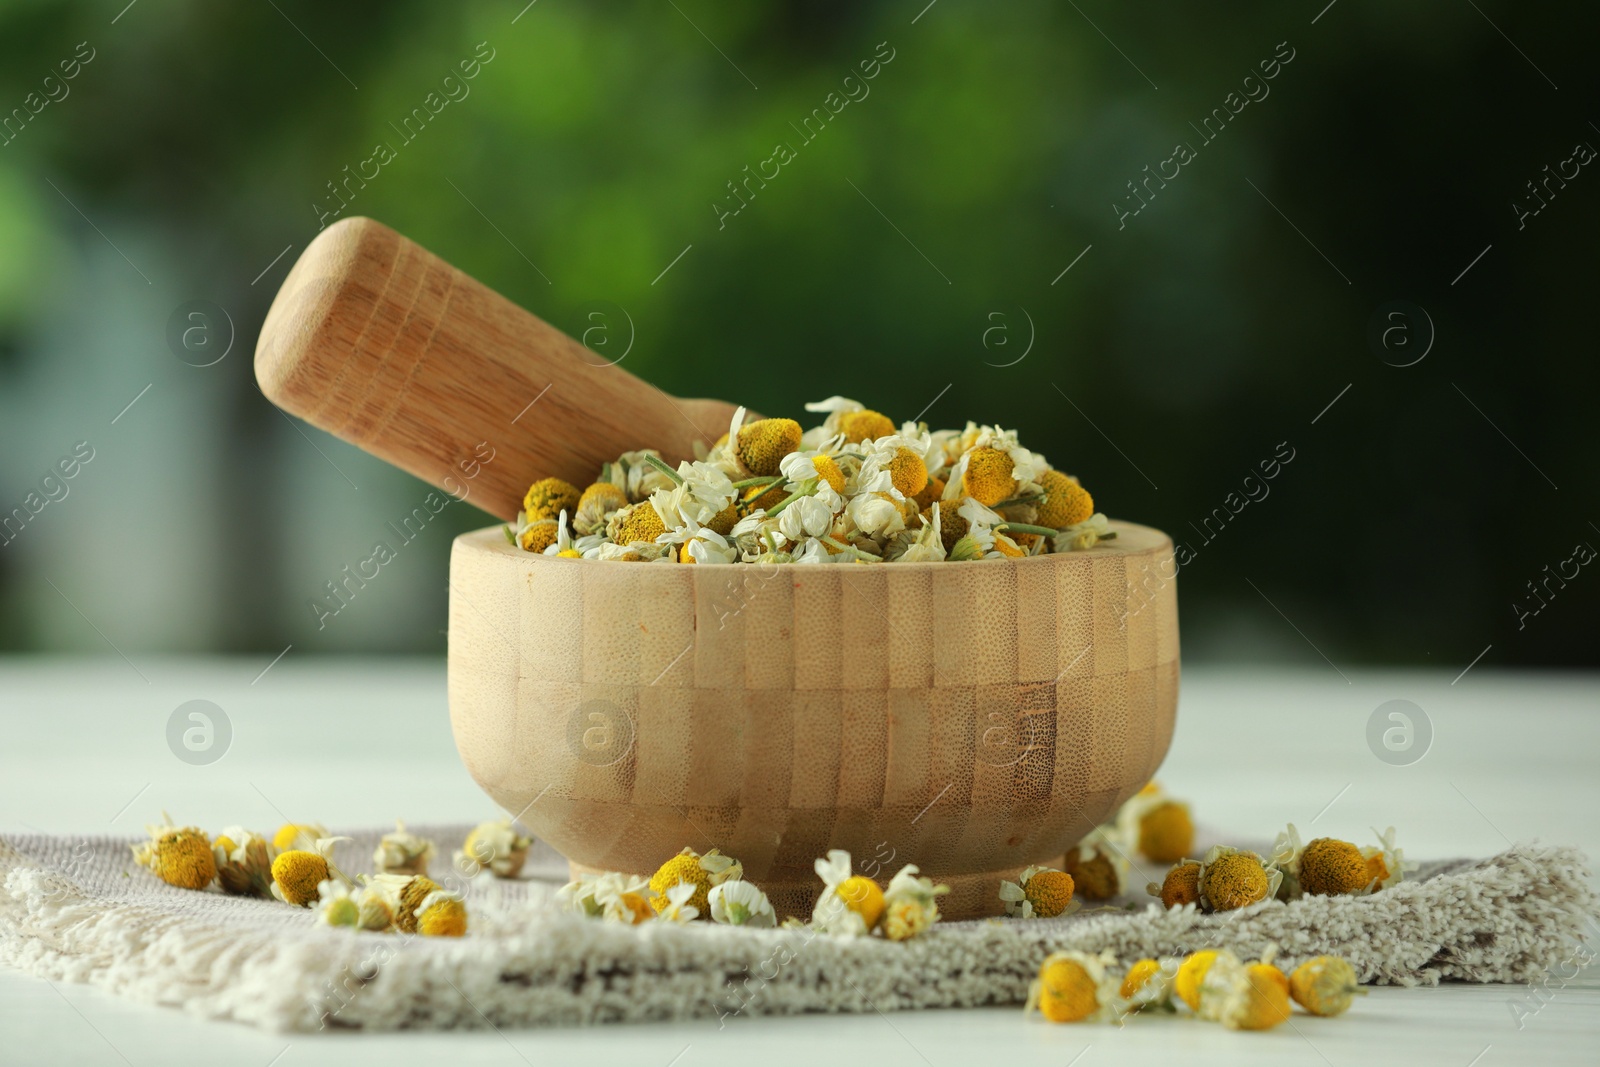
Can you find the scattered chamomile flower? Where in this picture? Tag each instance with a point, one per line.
(1181, 886)
(338, 905)
(495, 844)
(1191, 974)
(741, 903)
(851, 905)
(179, 856)
(910, 904)
(1325, 985)
(1160, 827)
(1039, 892)
(1074, 987)
(1386, 862)
(1148, 983)
(420, 905)
(302, 835)
(297, 873)
(1330, 867)
(701, 872)
(1245, 996)
(1098, 865)
(244, 864)
(677, 908)
(402, 852)
(1231, 879)
(609, 896)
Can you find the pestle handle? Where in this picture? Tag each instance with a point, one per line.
(380, 342)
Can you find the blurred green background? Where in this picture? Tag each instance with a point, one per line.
(917, 243)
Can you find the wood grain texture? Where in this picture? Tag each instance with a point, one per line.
(969, 718)
(380, 342)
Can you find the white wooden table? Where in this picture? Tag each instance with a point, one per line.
(350, 742)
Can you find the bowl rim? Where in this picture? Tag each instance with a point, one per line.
(1147, 538)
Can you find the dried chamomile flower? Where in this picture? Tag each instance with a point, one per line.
(1159, 826)
(864, 425)
(496, 845)
(701, 872)
(366, 908)
(536, 535)
(303, 835)
(1041, 892)
(297, 873)
(402, 852)
(930, 493)
(1083, 535)
(421, 906)
(1386, 862)
(1098, 865)
(1231, 879)
(549, 497)
(1330, 867)
(244, 865)
(676, 908)
(1245, 996)
(923, 545)
(988, 478)
(740, 903)
(700, 544)
(1191, 974)
(1148, 984)
(701, 493)
(635, 523)
(910, 904)
(1066, 503)
(761, 445)
(850, 904)
(179, 856)
(595, 507)
(1325, 985)
(1074, 987)
(1181, 886)
(610, 896)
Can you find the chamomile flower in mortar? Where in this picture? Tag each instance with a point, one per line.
(924, 545)
(1066, 503)
(1084, 535)
(1039, 892)
(563, 543)
(244, 863)
(178, 855)
(895, 465)
(1074, 987)
(548, 497)
(799, 467)
(537, 535)
(989, 476)
(877, 515)
(496, 845)
(595, 507)
(1232, 879)
(1099, 865)
(808, 516)
(1159, 826)
(402, 852)
(635, 523)
(702, 493)
(296, 873)
(741, 903)
(1386, 862)
(852, 419)
(910, 904)
(702, 872)
(850, 905)
(677, 908)
(699, 544)
(640, 477)
(761, 445)
(304, 835)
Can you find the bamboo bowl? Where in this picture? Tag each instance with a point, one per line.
(970, 718)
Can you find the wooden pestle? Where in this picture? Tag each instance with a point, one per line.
(378, 341)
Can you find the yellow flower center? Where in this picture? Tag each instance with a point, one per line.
(1066, 502)
(343, 912)
(763, 443)
(908, 472)
(639, 909)
(446, 918)
(1266, 1003)
(1235, 880)
(1067, 992)
(723, 521)
(225, 843)
(637, 522)
(411, 898)
(1377, 869)
(1049, 892)
(684, 867)
(548, 497)
(952, 527)
(1140, 973)
(858, 426)
(595, 505)
(539, 536)
(1182, 885)
(1166, 833)
(1191, 973)
(289, 833)
(183, 858)
(298, 873)
(933, 490)
(862, 896)
(1324, 986)
(988, 479)
(1329, 867)
(828, 470)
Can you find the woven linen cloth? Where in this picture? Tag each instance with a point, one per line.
(79, 909)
